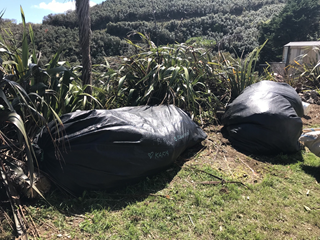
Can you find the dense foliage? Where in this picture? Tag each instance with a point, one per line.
(298, 21)
(226, 24)
(162, 10)
(36, 87)
(30, 97)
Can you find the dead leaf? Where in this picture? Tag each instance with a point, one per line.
(307, 208)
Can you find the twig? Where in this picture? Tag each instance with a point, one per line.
(228, 165)
(200, 116)
(209, 151)
(14, 202)
(209, 147)
(191, 220)
(23, 216)
(211, 182)
(199, 152)
(49, 225)
(217, 152)
(248, 167)
(34, 225)
(221, 179)
(159, 195)
(222, 182)
(10, 222)
(195, 156)
(152, 235)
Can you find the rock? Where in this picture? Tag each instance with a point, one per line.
(310, 100)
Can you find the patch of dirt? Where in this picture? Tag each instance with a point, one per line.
(219, 153)
(48, 230)
(313, 117)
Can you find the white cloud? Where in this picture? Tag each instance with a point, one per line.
(59, 7)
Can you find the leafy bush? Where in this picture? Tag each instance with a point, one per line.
(176, 74)
(240, 73)
(30, 96)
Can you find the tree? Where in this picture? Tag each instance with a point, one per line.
(298, 21)
(82, 9)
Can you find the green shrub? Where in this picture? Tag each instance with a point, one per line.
(30, 97)
(239, 72)
(176, 74)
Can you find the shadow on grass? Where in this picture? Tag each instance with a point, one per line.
(312, 171)
(283, 159)
(116, 199)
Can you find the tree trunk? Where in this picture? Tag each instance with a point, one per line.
(82, 9)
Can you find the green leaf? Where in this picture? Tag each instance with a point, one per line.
(9, 63)
(93, 98)
(4, 50)
(130, 95)
(5, 100)
(38, 86)
(54, 61)
(25, 49)
(84, 102)
(23, 17)
(54, 71)
(2, 13)
(186, 74)
(31, 34)
(151, 88)
(121, 81)
(15, 119)
(131, 43)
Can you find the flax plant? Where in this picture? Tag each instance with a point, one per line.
(30, 96)
(176, 74)
(239, 72)
(305, 68)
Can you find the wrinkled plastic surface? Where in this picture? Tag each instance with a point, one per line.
(312, 141)
(103, 149)
(306, 108)
(265, 119)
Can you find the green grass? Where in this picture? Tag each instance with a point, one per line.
(173, 205)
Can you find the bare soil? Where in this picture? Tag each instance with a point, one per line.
(313, 118)
(219, 154)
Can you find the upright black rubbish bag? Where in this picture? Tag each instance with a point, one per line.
(265, 119)
(103, 149)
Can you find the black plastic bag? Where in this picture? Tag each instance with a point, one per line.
(103, 149)
(265, 119)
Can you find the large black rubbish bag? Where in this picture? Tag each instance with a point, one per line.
(103, 149)
(265, 119)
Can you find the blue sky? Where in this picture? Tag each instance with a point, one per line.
(35, 10)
